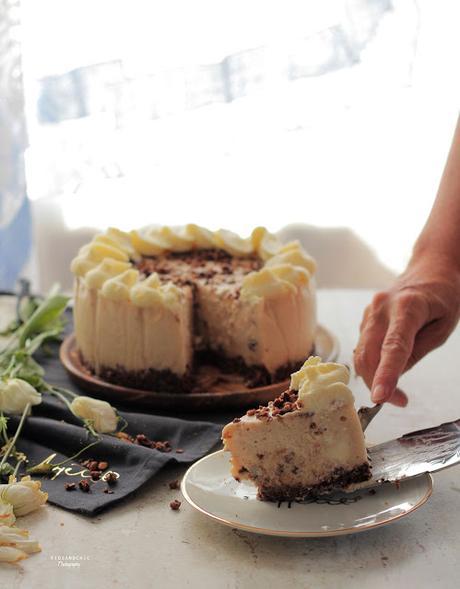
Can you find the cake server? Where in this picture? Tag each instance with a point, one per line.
(367, 414)
(426, 450)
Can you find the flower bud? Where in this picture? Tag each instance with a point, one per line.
(101, 414)
(15, 394)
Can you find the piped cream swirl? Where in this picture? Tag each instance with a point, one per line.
(316, 375)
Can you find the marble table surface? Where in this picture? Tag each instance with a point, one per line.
(144, 544)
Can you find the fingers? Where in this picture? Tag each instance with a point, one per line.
(373, 329)
(398, 398)
(428, 338)
(407, 316)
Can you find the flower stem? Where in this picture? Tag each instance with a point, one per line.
(57, 393)
(3, 421)
(16, 435)
(77, 454)
(64, 391)
(16, 468)
(6, 372)
(35, 469)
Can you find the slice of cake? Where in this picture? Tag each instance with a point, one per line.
(151, 305)
(306, 442)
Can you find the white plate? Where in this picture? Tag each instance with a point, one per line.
(209, 487)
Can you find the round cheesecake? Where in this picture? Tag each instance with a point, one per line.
(154, 304)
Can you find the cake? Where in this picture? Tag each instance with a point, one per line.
(152, 304)
(305, 443)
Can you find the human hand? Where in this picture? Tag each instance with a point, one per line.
(404, 323)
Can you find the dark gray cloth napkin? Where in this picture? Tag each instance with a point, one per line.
(51, 428)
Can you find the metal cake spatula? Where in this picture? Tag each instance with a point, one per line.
(367, 414)
(427, 450)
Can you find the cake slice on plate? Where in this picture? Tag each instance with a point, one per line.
(305, 443)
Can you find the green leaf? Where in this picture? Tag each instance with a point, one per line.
(28, 369)
(28, 307)
(44, 318)
(39, 339)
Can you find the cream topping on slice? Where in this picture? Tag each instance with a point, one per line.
(317, 376)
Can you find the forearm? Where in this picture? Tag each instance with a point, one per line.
(441, 235)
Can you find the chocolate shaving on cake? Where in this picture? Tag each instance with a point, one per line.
(208, 265)
(287, 402)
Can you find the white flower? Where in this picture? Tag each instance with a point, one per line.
(102, 415)
(11, 536)
(15, 394)
(15, 544)
(7, 517)
(11, 555)
(25, 496)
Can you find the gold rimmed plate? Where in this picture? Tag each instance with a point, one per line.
(218, 390)
(209, 487)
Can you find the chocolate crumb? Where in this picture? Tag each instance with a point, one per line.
(260, 456)
(84, 486)
(343, 418)
(174, 484)
(95, 475)
(108, 491)
(143, 440)
(372, 491)
(162, 446)
(70, 486)
(110, 478)
(175, 505)
(237, 420)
